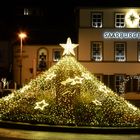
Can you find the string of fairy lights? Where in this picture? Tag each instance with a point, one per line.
(68, 94)
(125, 80)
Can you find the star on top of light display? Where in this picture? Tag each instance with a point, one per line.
(69, 47)
(41, 105)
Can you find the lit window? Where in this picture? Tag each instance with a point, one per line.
(56, 55)
(42, 59)
(119, 20)
(120, 52)
(27, 11)
(96, 51)
(97, 20)
(118, 82)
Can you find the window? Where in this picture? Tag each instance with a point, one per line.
(96, 51)
(42, 59)
(119, 20)
(118, 83)
(56, 55)
(138, 51)
(120, 52)
(28, 11)
(97, 20)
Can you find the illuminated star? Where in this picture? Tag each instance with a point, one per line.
(69, 80)
(132, 17)
(96, 102)
(69, 47)
(41, 105)
(50, 76)
(77, 80)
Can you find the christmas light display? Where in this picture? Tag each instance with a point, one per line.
(68, 94)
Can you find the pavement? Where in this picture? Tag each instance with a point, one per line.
(16, 134)
(27, 131)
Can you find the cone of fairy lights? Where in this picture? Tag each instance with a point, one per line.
(68, 94)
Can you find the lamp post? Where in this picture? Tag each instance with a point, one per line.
(22, 36)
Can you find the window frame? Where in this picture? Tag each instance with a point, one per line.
(120, 22)
(53, 54)
(98, 20)
(100, 43)
(117, 86)
(39, 53)
(119, 60)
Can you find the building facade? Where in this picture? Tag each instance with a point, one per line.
(109, 46)
(35, 59)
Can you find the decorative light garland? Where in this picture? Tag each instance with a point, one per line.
(68, 94)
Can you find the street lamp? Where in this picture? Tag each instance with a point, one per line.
(22, 36)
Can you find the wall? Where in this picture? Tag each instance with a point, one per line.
(29, 61)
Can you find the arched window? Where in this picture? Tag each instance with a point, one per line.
(42, 59)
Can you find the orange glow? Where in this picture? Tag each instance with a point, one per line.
(22, 35)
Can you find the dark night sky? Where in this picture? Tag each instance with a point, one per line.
(61, 12)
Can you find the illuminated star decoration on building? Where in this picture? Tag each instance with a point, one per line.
(132, 18)
(69, 47)
(41, 105)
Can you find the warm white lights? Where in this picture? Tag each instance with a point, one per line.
(69, 47)
(22, 35)
(41, 105)
(132, 19)
(68, 94)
